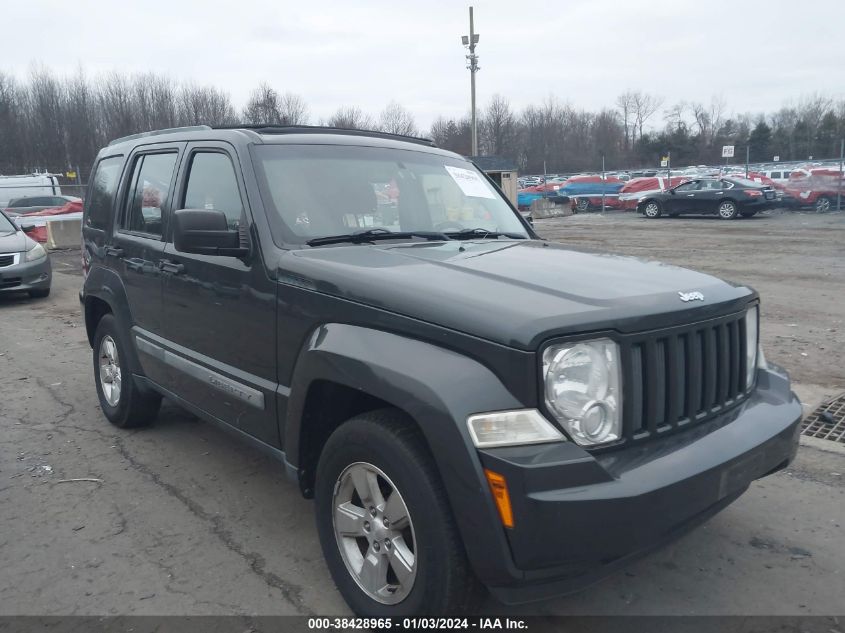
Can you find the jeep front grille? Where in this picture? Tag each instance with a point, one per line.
(679, 377)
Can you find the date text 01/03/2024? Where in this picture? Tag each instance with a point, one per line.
(480, 623)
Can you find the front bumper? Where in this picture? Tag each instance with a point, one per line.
(36, 275)
(579, 516)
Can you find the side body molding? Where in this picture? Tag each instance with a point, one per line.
(439, 388)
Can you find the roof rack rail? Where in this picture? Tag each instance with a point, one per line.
(320, 129)
(187, 128)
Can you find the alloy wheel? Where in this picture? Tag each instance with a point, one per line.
(727, 210)
(374, 533)
(110, 378)
(652, 210)
(822, 205)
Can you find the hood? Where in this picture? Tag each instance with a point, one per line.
(14, 242)
(517, 293)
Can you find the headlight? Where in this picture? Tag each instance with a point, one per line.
(752, 343)
(36, 252)
(582, 383)
(510, 428)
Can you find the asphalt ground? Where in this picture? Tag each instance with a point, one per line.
(187, 522)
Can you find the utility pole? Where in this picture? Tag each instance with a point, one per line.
(841, 174)
(747, 156)
(470, 41)
(603, 183)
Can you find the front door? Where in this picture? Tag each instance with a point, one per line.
(137, 244)
(683, 200)
(220, 312)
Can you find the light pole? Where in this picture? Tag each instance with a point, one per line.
(470, 41)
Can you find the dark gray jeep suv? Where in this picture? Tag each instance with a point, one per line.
(469, 406)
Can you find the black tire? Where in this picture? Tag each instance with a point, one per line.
(823, 204)
(134, 407)
(387, 439)
(652, 209)
(582, 205)
(727, 210)
(41, 293)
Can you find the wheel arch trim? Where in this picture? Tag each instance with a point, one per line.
(438, 388)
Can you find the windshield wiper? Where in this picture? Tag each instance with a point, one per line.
(372, 235)
(482, 233)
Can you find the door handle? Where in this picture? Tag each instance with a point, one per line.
(690, 195)
(114, 251)
(168, 266)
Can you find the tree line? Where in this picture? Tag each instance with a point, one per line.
(59, 123)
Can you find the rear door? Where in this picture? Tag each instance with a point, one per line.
(220, 312)
(137, 243)
(708, 196)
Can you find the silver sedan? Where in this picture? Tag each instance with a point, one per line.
(24, 263)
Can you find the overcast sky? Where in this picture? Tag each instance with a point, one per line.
(756, 54)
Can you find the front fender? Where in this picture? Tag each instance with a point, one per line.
(439, 388)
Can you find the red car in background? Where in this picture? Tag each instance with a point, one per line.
(71, 210)
(818, 188)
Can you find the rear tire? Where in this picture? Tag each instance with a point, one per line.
(122, 402)
(434, 577)
(823, 204)
(727, 210)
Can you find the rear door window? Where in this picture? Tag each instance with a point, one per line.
(101, 191)
(149, 190)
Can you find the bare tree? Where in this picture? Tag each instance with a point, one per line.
(709, 119)
(644, 107)
(498, 128)
(351, 118)
(202, 105)
(293, 109)
(625, 105)
(395, 119)
(263, 107)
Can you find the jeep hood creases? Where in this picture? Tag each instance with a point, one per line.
(516, 293)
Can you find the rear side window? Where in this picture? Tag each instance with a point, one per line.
(148, 192)
(212, 185)
(775, 175)
(101, 192)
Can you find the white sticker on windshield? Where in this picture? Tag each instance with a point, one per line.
(470, 182)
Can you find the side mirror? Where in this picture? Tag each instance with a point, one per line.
(672, 191)
(28, 228)
(205, 232)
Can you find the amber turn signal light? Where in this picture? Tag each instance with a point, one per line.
(499, 488)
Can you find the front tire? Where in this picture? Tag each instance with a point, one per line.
(582, 205)
(727, 210)
(652, 209)
(385, 524)
(122, 402)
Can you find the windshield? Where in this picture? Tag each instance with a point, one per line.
(6, 225)
(324, 190)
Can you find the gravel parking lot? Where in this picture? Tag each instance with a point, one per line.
(185, 521)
